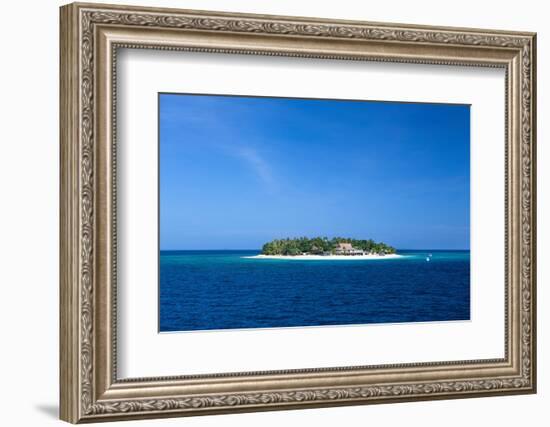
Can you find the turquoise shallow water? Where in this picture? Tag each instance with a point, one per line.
(205, 290)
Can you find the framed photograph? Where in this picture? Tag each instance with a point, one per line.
(265, 212)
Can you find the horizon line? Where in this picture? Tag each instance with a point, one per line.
(259, 249)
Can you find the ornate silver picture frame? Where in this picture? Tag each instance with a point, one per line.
(91, 35)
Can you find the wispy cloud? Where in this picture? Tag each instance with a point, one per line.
(207, 115)
(259, 165)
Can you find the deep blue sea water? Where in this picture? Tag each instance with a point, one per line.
(202, 290)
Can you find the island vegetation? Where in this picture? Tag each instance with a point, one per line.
(325, 246)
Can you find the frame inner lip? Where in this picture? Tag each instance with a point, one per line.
(341, 370)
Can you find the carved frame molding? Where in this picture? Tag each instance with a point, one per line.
(90, 36)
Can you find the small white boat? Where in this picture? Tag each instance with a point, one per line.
(428, 258)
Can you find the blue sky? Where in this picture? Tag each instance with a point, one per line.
(236, 172)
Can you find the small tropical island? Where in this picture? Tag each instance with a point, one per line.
(325, 248)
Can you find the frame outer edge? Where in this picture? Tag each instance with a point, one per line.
(77, 226)
(305, 19)
(69, 354)
(534, 269)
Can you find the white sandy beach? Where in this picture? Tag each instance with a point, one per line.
(326, 257)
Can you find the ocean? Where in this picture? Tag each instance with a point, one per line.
(212, 290)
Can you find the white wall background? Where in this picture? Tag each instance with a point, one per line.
(29, 170)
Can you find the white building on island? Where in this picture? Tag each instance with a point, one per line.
(347, 249)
